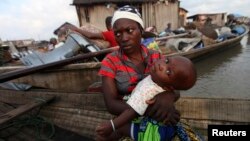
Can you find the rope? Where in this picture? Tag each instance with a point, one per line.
(36, 122)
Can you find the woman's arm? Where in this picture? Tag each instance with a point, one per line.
(91, 35)
(162, 108)
(114, 103)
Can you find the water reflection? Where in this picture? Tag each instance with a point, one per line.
(225, 74)
(245, 41)
(209, 65)
(248, 39)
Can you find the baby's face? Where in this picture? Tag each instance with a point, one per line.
(162, 72)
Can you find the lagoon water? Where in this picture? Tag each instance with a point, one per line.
(224, 75)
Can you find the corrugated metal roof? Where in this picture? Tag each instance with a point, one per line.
(78, 2)
(207, 14)
(184, 9)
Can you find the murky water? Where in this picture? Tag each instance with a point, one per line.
(224, 75)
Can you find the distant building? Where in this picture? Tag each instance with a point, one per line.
(23, 45)
(243, 19)
(5, 56)
(217, 18)
(154, 12)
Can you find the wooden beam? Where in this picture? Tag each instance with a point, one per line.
(171, 36)
(24, 109)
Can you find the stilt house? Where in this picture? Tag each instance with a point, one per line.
(154, 12)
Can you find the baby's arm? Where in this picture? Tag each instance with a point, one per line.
(106, 128)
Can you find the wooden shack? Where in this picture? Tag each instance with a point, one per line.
(182, 16)
(5, 55)
(217, 18)
(154, 12)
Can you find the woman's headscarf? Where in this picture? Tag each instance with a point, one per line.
(128, 12)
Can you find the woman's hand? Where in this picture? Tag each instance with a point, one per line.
(71, 27)
(161, 108)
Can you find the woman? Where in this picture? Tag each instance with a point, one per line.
(123, 69)
(173, 73)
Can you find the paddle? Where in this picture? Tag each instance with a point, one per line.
(172, 36)
(23, 72)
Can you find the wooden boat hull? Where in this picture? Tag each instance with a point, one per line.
(209, 50)
(75, 77)
(81, 112)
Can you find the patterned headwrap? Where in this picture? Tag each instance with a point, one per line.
(128, 12)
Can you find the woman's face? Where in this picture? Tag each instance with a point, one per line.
(127, 34)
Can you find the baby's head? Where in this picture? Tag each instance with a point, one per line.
(175, 72)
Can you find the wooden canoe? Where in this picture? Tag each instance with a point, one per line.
(81, 112)
(213, 48)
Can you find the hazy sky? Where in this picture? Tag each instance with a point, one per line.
(37, 19)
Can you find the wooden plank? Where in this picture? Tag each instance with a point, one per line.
(170, 36)
(216, 109)
(88, 101)
(78, 76)
(23, 109)
(67, 80)
(81, 112)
